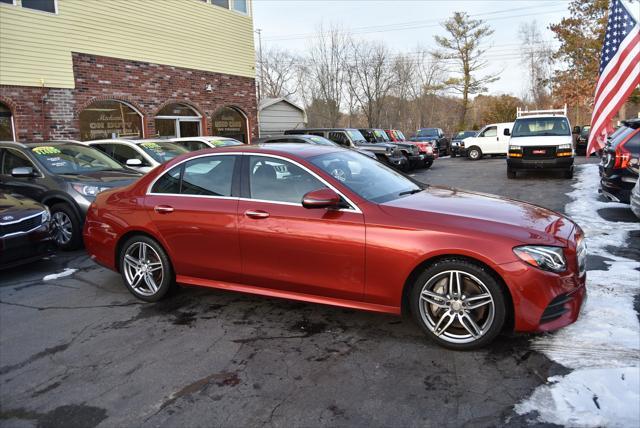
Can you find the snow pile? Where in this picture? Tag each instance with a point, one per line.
(603, 346)
(65, 272)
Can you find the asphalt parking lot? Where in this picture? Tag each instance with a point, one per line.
(79, 350)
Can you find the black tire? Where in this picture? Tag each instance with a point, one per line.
(568, 173)
(453, 154)
(494, 312)
(163, 284)
(66, 225)
(474, 153)
(428, 163)
(511, 173)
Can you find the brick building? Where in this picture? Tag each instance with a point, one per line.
(135, 69)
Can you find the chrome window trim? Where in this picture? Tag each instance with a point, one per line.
(354, 207)
(23, 232)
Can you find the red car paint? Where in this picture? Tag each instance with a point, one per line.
(360, 260)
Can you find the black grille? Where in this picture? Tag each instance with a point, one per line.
(21, 226)
(556, 308)
(539, 152)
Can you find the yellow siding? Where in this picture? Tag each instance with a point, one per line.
(37, 46)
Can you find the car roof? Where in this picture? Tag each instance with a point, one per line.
(632, 123)
(300, 150)
(542, 116)
(27, 144)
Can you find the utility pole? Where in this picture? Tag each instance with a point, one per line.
(259, 32)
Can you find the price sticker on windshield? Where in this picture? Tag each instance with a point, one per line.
(46, 150)
(151, 146)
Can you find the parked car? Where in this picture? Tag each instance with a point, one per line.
(410, 151)
(436, 137)
(619, 163)
(141, 155)
(198, 143)
(395, 135)
(386, 153)
(582, 140)
(491, 140)
(635, 198)
(457, 142)
(308, 139)
(25, 233)
(467, 265)
(63, 175)
(541, 139)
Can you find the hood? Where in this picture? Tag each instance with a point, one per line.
(104, 178)
(17, 207)
(549, 140)
(377, 145)
(527, 223)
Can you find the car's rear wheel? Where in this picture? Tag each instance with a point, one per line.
(428, 163)
(475, 153)
(145, 268)
(66, 227)
(511, 173)
(458, 304)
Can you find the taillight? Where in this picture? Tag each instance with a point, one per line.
(623, 156)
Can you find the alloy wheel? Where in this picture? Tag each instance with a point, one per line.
(143, 269)
(62, 228)
(457, 306)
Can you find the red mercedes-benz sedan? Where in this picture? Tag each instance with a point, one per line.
(329, 225)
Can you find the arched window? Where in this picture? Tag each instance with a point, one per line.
(178, 120)
(110, 119)
(230, 122)
(7, 130)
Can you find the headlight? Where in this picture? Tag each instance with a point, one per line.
(46, 215)
(543, 257)
(87, 190)
(565, 147)
(515, 148)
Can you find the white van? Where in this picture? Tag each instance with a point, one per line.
(541, 139)
(491, 140)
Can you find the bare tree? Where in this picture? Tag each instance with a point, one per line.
(462, 46)
(279, 75)
(536, 56)
(370, 78)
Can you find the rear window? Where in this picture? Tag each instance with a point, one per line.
(541, 127)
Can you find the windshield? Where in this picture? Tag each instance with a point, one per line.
(540, 126)
(74, 159)
(162, 151)
(321, 141)
(464, 134)
(427, 132)
(366, 177)
(355, 135)
(585, 131)
(224, 142)
(400, 135)
(381, 135)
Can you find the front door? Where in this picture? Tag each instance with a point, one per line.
(31, 187)
(488, 140)
(195, 211)
(285, 246)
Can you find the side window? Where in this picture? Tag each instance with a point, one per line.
(210, 176)
(277, 180)
(317, 134)
(491, 131)
(104, 148)
(14, 159)
(169, 182)
(123, 153)
(339, 138)
(192, 146)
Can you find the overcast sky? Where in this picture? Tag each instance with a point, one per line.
(406, 24)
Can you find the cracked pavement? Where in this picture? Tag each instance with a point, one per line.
(80, 351)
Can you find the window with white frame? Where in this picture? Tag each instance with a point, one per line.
(221, 3)
(240, 6)
(49, 6)
(12, 2)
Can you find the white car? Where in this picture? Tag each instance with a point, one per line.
(491, 140)
(140, 155)
(198, 143)
(541, 139)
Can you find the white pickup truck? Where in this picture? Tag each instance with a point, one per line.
(491, 140)
(540, 139)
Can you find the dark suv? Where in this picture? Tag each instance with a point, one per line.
(582, 139)
(619, 162)
(410, 151)
(436, 137)
(65, 176)
(352, 138)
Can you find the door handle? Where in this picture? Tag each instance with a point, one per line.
(256, 214)
(163, 209)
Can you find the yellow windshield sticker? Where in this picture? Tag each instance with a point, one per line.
(151, 146)
(46, 150)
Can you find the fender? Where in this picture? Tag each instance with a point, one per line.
(56, 194)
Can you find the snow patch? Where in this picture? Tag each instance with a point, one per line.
(603, 346)
(62, 274)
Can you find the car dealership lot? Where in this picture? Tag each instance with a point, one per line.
(80, 348)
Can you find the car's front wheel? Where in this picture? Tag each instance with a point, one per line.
(458, 304)
(66, 227)
(145, 268)
(475, 153)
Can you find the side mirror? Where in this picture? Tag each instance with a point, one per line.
(577, 129)
(22, 171)
(321, 198)
(134, 162)
(507, 132)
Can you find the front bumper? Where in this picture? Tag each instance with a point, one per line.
(526, 163)
(25, 248)
(398, 161)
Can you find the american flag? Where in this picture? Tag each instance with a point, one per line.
(619, 71)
